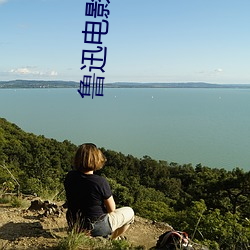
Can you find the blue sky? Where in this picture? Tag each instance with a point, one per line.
(147, 41)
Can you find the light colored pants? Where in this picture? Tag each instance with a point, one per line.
(120, 217)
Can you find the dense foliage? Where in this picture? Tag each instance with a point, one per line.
(38, 163)
(212, 205)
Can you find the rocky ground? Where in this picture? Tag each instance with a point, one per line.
(43, 228)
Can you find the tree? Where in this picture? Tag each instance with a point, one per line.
(154, 210)
(121, 194)
(237, 189)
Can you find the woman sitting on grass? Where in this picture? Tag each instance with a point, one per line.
(91, 205)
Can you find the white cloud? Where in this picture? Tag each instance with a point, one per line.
(22, 71)
(218, 70)
(211, 72)
(53, 73)
(2, 1)
(31, 71)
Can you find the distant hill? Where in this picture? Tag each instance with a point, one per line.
(16, 84)
(174, 85)
(71, 84)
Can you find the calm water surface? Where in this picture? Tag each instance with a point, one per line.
(208, 126)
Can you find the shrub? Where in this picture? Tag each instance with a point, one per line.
(18, 202)
(75, 241)
(152, 210)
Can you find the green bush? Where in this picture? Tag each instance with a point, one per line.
(5, 200)
(75, 241)
(18, 202)
(153, 210)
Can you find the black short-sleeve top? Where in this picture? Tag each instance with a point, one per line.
(86, 193)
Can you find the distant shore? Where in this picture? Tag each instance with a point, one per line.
(19, 84)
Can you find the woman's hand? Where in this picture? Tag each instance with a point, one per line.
(110, 204)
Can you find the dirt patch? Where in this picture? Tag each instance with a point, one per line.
(25, 229)
(145, 232)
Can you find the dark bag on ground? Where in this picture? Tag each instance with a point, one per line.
(173, 240)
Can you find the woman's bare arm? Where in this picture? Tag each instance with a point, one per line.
(110, 204)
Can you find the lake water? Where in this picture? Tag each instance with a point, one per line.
(207, 126)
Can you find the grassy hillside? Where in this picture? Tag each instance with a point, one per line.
(213, 205)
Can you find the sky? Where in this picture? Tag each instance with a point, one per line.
(147, 41)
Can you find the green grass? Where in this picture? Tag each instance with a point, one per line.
(5, 200)
(19, 202)
(82, 241)
(14, 201)
(75, 241)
